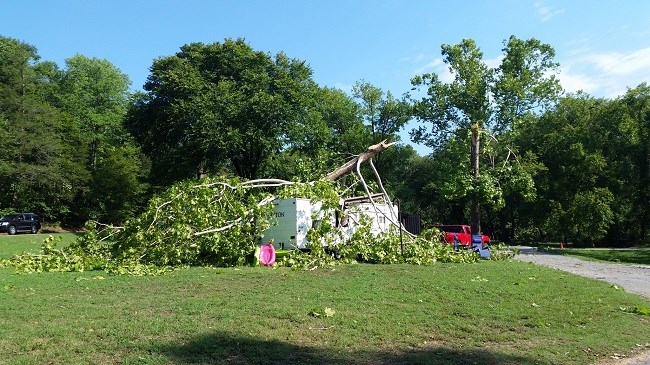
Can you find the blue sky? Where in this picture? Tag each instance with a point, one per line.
(603, 46)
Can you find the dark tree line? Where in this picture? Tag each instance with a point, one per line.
(578, 173)
(508, 147)
(65, 152)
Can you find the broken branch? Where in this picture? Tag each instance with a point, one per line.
(365, 156)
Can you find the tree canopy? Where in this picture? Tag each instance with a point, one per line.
(508, 146)
(59, 128)
(219, 105)
(481, 99)
(32, 166)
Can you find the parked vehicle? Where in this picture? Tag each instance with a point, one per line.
(460, 233)
(20, 222)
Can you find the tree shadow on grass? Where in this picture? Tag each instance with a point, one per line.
(224, 348)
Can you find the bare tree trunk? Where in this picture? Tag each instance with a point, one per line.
(644, 187)
(200, 174)
(474, 158)
(365, 156)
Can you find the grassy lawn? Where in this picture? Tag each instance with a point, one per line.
(630, 256)
(484, 313)
(13, 245)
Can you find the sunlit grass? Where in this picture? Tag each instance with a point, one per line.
(13, 245)
(484, 313)
(630, 256)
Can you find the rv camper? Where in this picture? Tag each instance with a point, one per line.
(295, 216)
(382, 216)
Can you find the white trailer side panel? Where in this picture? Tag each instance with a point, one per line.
(380, 216)
(293, 221)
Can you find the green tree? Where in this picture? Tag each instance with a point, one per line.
(330, 132)
(32, 175)
(218, 106)
(636, 126)
(385, 116)
(117, 188)
(93, 95)
(574, 202)
(481, 99)
(405, 176)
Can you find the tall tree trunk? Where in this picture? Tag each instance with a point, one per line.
(200, 174)
(474, 158)
(513, 224)
(644, 183)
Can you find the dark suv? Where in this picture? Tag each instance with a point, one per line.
(20, 222)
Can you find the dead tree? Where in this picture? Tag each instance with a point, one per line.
(349, 166)
(352, 166)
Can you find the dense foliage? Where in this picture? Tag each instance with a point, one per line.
(219, 105)
(77, 145)
(219, 222)
(65, 152)
(578, 174)
(485, 102)
(33, 164)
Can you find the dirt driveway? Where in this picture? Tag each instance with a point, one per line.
(633, 278)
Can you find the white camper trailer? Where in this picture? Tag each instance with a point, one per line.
(295, 217)
(382, 215)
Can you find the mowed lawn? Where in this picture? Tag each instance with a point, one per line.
(483, 313)
(14, 245)
(639, 256)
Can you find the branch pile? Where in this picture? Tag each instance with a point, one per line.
(218, 222)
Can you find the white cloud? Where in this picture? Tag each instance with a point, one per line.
(640, 33)
(619, 28)
(417, 58)
(579, 51)
(573, 81)
(601, 74)
(621, 63)
(495, 62)
(434, 66)
(439, 67)
(606, 74)
(347, 88)
(546, 13)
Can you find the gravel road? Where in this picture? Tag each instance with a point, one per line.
(633, 278)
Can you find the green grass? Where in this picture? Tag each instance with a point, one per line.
(484, 313)
(13, 245)
(631, 256)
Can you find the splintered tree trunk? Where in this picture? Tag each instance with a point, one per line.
(365, 156)
(474, 158)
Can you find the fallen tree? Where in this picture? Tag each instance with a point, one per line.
(353, 164)
(218, 222)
